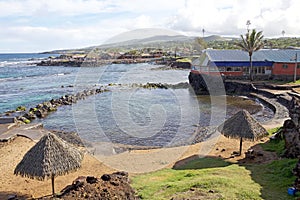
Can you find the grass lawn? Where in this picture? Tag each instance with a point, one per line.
(277, 146)
(184, 60)
(213, 178)
(270, 146)
(284, 82)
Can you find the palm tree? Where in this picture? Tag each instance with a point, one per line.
(251, 42)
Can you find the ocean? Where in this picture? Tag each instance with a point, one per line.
(127, 114)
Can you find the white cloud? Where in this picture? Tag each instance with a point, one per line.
(36, 39)
(52, 24)
(229, 17)
(44, 7)
(81, 7)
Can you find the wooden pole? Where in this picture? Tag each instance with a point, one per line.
(241, 144)
(52, 180)
(295, 69)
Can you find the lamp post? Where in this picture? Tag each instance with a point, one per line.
(248, 23)
(295, 70)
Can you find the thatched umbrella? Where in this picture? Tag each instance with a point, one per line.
(242, 125)
(48, 158)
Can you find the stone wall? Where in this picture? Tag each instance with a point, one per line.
(291, 130)
(216, 85)
(291, 133)
(183, 65)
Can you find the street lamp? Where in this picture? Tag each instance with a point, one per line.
(248, 23)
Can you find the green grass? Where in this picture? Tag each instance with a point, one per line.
(204, 163)
(275, 178)
(278, 82)
(184, 60)
(294, 83)
(277, 145)
(274, 130)
(212, 178)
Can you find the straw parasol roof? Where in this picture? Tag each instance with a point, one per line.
(242, 125)
(48, 158)
(51, 156)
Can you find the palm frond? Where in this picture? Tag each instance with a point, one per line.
(250, 43)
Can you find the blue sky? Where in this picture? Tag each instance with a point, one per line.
(40, 25)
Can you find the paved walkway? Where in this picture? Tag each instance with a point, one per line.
(32, 131)
(276, 92)
(281, 112)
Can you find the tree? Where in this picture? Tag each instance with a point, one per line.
(282, 32)
(251, 42)
(203, 31)
(201, 42)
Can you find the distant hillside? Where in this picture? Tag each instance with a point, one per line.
(214, 38)
(154, 39)
(158, 41)
(172, 42)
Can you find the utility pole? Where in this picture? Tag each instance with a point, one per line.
(295, 70)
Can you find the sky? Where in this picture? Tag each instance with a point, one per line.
(42, 25)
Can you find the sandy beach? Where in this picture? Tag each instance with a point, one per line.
(11, 154)
(135, 161)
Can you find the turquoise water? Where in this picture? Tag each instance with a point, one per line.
(127, 114)
(23, 83)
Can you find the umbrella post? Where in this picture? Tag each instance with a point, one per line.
(241, 144)
(52, 181)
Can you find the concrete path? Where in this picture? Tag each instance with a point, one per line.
(276, 92)
(281, 113)
(5, 127)
(31, 131)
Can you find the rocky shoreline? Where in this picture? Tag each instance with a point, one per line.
(88, 61)
(45, 108)
(42, 110)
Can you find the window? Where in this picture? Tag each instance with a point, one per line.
(246, 70)
(237, 69)
(222, 69)
(229, 69)
(285, 66)
(214, 69)
(298, 65)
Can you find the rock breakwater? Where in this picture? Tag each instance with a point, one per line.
(43, 109)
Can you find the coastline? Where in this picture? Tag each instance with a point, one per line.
(41, 110)
(144, 159)
(92, 165)
(134, 161)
